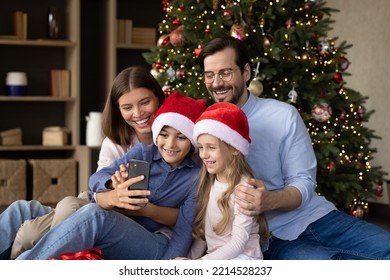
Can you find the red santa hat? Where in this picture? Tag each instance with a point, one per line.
(227, 122)
(180, 112)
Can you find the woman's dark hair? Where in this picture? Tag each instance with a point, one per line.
(114, 126)
(221, 43)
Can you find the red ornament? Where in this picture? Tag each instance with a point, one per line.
(158, 65)
(307, 6)
(337, 77)
(197, 51)
(177, 22)
(289, 23)
(181, 73)
(165, 4)
(359, 209)
(379, 189)
(163, 40)
(342, 115)
(343, 63)
(167, 89)
(177, 38)
(321, 112)
(360, 113)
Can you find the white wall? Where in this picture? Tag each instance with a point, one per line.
(365, 25)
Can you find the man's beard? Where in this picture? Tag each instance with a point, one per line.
(234, 98)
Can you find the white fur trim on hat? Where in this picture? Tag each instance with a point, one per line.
(175, 120)
(223, 132)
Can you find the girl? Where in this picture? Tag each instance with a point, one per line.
(222, 135)
(173, 178)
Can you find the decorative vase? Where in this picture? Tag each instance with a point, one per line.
(53, 23)
(94, 136)
(16, 83)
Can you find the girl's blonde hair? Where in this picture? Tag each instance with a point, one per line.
(235, 171)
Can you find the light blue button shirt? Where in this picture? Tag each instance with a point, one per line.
(281, 154)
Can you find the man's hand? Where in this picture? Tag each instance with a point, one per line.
(251, 199)
(256, 200)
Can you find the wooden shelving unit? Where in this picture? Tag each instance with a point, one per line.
(36, 56)
(132, 54)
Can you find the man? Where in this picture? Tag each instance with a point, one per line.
(304, 225)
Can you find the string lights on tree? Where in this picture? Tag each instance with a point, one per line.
(295, 61)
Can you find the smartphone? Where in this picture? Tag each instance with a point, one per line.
(137, 168)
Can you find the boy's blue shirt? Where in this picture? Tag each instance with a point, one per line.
(169, 188)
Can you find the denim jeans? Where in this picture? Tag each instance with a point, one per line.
(13, 217)
(118, 236)
(336, 236)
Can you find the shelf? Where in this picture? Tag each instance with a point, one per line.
(36, 99)
(37, 42)
(21, 148)
(135, 46)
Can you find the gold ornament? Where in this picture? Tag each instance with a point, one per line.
(238, 31)
(256, 87)
(216, 4)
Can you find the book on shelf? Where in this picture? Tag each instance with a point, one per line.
(124, 31)
(20, 25)
(60, 82)
(144, 35)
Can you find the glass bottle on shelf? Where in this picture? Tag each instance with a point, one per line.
(53, 23)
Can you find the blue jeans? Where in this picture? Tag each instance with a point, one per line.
(118, 236)
(13, 217)
(336, 236)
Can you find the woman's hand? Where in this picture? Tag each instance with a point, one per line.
(120, 176)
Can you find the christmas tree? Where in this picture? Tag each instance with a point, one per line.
(296, 62)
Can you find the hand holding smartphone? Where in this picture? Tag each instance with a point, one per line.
(137, 168)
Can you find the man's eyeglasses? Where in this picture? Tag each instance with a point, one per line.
(225, 75)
